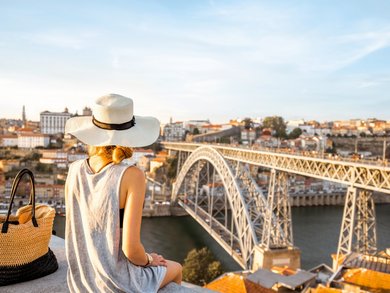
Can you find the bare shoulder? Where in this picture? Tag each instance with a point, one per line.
(134, 174)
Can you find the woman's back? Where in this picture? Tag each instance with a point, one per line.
(93, 237)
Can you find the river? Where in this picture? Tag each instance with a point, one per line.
(315, 231)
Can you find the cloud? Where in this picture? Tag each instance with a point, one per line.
(69, 40)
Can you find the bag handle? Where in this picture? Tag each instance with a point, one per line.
(15, 185)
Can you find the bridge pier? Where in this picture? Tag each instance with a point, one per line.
(277, 248)
(277, 222)
(358, 228)
(266, 258)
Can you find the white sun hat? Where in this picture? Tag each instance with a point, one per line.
(113, 123)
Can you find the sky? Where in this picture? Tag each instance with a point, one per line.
(217, 60)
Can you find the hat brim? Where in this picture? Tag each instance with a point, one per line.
(145, 132)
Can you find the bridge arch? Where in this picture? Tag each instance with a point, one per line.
(246, 202)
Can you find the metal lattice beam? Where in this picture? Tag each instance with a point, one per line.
(244, 201)
(358, 228)
(278, 224)
(361, 175)
(347, 224)
(365, 230)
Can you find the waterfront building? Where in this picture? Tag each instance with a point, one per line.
(49, 192)
(248, 136)
(8, 140)
(44, 178)
(156, 163)
(54, 122)
(55, 157)
(33, 140)
(75, 156)
(144, 162)
(138, 154)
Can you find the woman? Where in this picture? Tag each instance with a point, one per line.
(101, 192)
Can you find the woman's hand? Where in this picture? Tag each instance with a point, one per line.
(158, 260)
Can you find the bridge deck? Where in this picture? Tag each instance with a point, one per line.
(359, 173)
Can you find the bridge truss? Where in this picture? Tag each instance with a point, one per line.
(223, 197)
(237, 214)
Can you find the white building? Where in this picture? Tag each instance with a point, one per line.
(57, 157)
(8, 140)
(138, 154)
(174, 131)
(309, 129)
(32, 140)
(292, 124)
(196, 123)
(54, 122)
(156, 163)
(75, 156)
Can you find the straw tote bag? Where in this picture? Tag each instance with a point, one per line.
(24, 239)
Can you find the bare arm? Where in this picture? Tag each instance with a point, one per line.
(133, 185)
(133, 182)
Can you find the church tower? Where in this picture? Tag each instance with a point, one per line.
(24, 116)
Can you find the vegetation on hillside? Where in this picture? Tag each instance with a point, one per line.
(200, 267)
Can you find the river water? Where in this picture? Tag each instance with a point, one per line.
(315, 231)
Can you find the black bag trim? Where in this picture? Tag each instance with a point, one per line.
(15, 185)
(40, 267)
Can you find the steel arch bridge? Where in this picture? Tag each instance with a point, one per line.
(235, 216)
(214, 185)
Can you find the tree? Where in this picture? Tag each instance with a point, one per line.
(44, 168)
(167, 171)
(295, 133)
(277, 124)
(155, 147)
(200, 267)
(196, 131)
(248, 123)
(172, 168)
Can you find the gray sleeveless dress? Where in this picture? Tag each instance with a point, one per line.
(93, 236)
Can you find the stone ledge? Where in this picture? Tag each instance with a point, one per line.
(56, 282)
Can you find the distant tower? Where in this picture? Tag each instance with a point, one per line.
(87, 111)
(24, 115)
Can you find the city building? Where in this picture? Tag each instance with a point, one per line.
(54, 122)
(144, 162)
(87, 111)
(8, 140)
(156, 163)
(139, 153)
(8, 165)
(248, 136)
(55, 157)
(174, 131)
(33, 140)
(76, 155)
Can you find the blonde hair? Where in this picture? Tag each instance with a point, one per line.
(111, 153)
